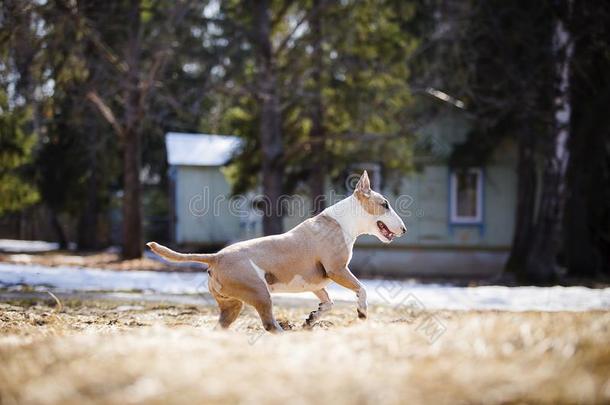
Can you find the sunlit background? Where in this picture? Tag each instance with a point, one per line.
(198, 124)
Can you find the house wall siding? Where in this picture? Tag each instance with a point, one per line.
(202, 206)
(427, 216)
(203, 215)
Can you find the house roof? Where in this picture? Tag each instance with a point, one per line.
(199, 149)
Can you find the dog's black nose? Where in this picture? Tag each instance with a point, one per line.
(404, 230)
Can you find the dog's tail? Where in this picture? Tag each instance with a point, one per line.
(173, 256)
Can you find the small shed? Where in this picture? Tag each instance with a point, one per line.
(199, 191)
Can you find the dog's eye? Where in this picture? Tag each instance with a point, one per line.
(385, 205)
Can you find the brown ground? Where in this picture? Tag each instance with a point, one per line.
(142, 353)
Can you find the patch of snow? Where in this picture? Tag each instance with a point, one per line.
(26, 246)
(125, 308)
(436, 296)
(390, 292)
(67, 279)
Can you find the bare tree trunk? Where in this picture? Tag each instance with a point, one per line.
(318, 169)
(526, 205)
(270, 122)
(587, 216)
(542, 261)
(87, 223)
(59, 230)
(582, 257)
(132, 201)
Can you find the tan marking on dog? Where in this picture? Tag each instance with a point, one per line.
(270, 278)
(371, 201)
(372, 204)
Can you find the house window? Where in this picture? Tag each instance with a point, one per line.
(466, 196)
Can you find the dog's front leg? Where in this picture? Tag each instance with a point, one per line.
(345, 278)
(325, 305)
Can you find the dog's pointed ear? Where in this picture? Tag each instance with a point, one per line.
(364, 185)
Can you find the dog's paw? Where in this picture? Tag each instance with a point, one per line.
(287, 325)
(361, 314)
(318, 325)
(308, 324)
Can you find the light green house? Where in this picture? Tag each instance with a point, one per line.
(460, 222)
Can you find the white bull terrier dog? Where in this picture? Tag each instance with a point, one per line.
(306, 258)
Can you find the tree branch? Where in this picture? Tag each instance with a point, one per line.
(95, 38)
(106, 111)
(281, 13)
(310, 14)
(164, 50)
(406, 132)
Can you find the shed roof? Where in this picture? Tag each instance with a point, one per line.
(199, 149)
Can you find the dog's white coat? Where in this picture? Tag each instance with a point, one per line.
(355, 220)
(295, 285)
(259, 272)
(347, 213)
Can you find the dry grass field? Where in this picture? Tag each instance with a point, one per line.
(106, 352)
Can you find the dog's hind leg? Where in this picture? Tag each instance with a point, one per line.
(265, 311)
(258, 296)
(263, 305)
(325, 305)
(345, 278)
(230, 308)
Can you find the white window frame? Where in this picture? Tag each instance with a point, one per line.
(455, 218)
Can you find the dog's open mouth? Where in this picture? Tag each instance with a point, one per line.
(389, 235)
